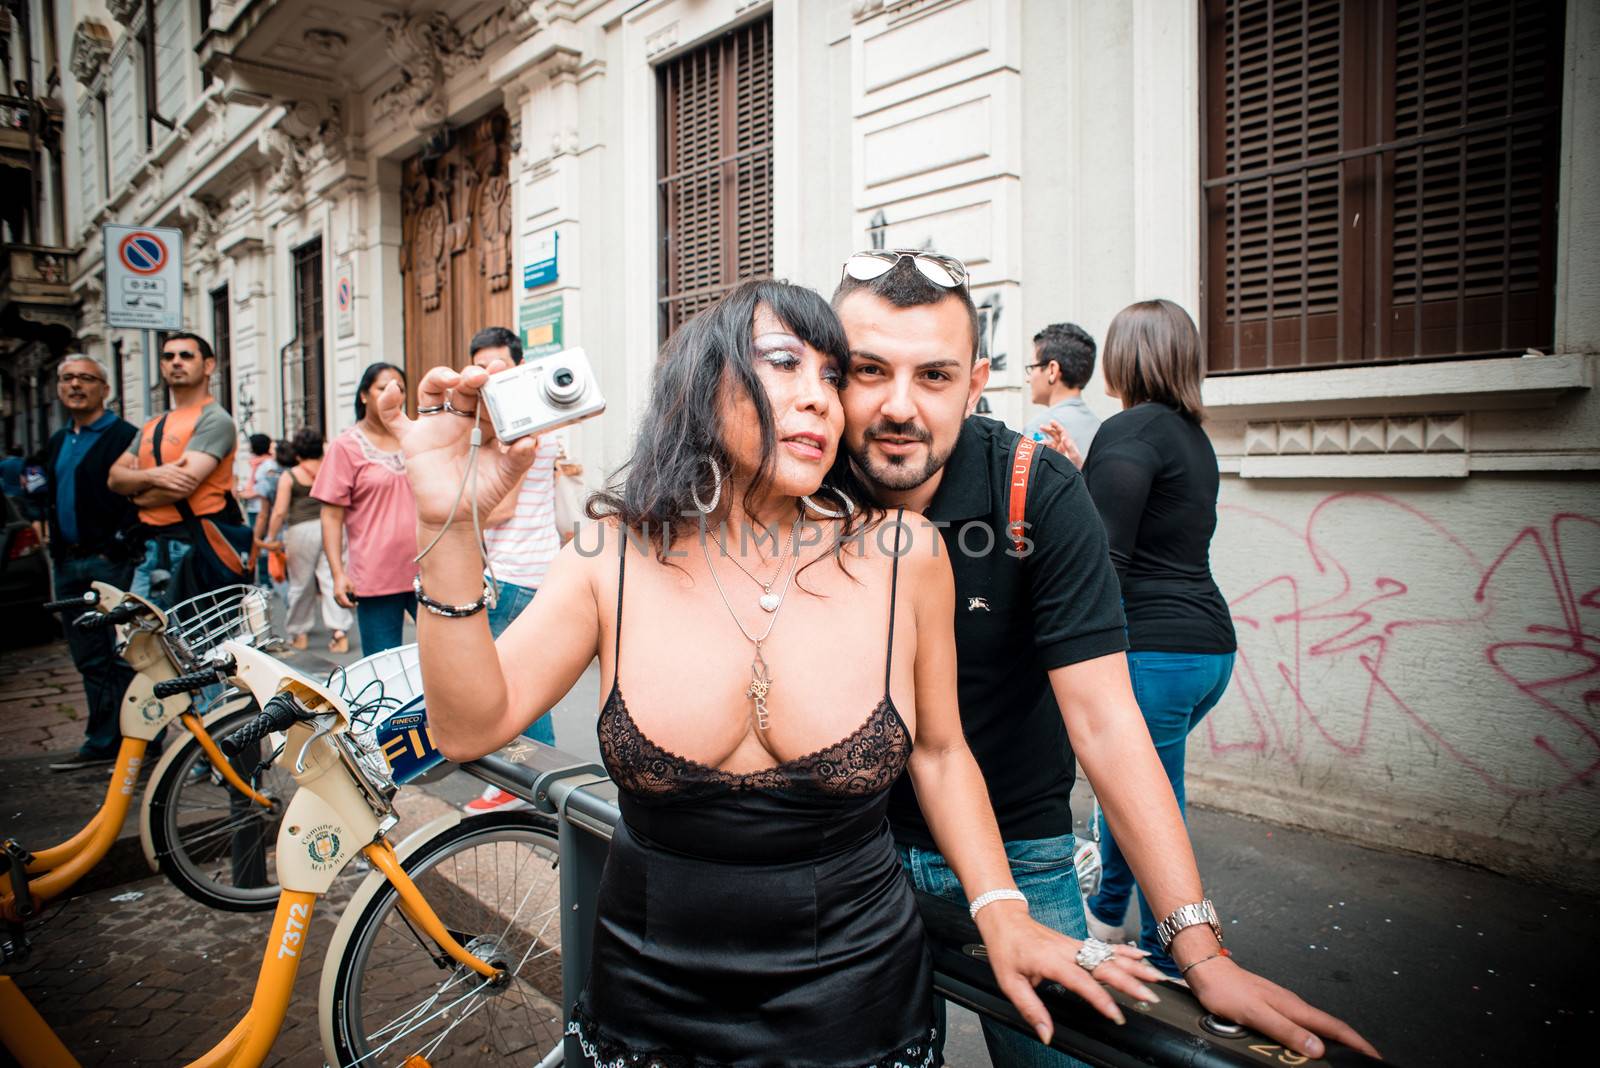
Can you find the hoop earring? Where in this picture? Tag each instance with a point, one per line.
(716, 489)
(828, 513)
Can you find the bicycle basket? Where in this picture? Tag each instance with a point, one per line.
(375, 686)
(196, 628)
(388, 720)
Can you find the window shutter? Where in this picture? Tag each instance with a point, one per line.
(88, 160)
(1472, 226)
(123, 121)
(716, 170)
(1276, 86)
(171, 60)
(1380, 179)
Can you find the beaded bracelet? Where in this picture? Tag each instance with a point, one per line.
(454, 611)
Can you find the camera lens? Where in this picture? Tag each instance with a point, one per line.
(563, 386)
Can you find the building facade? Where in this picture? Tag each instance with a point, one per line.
(1383, 215)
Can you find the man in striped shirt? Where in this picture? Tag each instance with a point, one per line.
(521, 539)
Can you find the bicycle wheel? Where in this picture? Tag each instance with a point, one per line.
(214, 843)
(388, 993)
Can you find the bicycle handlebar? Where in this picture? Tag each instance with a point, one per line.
(190, 683)
(280, 712)
(101, 620)
(85, 600)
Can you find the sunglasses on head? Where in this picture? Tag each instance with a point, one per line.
(946, 272)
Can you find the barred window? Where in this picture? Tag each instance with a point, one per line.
(1380, 179)
(305, 400)
(715, 170)
(222, 345)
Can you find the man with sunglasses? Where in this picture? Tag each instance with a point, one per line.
(188, 470)
(87, 525)
(1040, 640)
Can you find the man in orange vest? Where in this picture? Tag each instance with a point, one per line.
(196, 440)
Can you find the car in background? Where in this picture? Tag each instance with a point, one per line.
(24, 581)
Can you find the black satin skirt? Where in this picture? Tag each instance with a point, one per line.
(758, 929)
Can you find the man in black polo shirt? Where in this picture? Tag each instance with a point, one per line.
(1040, 640)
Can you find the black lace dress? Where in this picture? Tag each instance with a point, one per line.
(759, 919)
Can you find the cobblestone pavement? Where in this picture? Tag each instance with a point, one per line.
(141, 975)
(42, 708)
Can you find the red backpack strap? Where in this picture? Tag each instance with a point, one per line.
(1021, 468)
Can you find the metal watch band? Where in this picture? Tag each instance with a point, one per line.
(1188, 916)
(991, 896)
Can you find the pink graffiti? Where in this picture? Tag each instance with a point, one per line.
(1377, 608)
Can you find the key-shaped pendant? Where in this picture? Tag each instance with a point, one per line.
(760, 686)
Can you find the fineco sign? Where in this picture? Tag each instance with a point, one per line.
(144, 277)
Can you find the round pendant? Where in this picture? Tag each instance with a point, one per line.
(770, 602)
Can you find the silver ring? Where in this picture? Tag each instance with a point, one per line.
(453, 410)
(430, 409)
(1093, 954)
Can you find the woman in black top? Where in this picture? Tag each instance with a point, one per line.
(1153, 476)
(753, 912)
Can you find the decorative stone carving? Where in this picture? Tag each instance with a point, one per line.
(124, 10)
(1357, 436)
(1261, 439)
(92, 319)
(1294, 438)
(1404, 434)
(495, 223)
(91, 47)
(204, 218)
(1446, 433)
(427, 48)
(287, 156)
(1330, 436)
(1366, 435)
(330, 44)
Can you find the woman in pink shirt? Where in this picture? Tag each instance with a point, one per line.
(367, 502)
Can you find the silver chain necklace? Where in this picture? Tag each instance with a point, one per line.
(769, 601)
(760, 681)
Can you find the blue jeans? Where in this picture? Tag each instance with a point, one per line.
(382, 622)
(154, 549)
(1174, 691)
(509, 601)
(1046, 875)
(105, 674)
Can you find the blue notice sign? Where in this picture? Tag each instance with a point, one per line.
(542, 252)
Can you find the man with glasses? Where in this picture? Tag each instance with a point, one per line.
(88, 525)
(194, 469)
(1040, 640)
(1063, 362)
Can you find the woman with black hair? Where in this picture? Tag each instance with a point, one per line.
(753, 910)
(367, 501)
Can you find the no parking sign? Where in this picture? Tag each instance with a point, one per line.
(144, 277)
(344, 298)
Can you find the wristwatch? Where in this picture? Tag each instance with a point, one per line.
(1187, 916)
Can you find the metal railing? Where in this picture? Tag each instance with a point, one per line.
(1177, 1032)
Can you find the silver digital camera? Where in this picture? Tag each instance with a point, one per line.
(542, 394)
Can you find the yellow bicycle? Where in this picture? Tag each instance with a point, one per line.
(448, 952)
(204, 821)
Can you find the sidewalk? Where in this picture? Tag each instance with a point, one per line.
(1438, 964)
